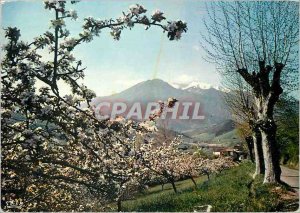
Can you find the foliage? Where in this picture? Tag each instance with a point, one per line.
(243, 130)
(287, 117)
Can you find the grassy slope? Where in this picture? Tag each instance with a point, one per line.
(233, 190)
(228, 139)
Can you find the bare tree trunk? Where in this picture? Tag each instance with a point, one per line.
(258, 152)
(207, 174)
(174, 186)
(119, 204)
(267, 127)
(193, 181)
(266, 96)
(271, 153)
(250, 145)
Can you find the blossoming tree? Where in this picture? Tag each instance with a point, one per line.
(56, 155)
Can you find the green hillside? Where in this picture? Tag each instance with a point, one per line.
(229, 138)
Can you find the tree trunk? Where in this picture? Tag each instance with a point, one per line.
(193, 181)
(174, 186)
(271, 152)
(207, 173)
(119, 204)
(267, 90)
(258, 152)
(249, 141)
(268, 128)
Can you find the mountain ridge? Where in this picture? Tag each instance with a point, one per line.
(214, 109)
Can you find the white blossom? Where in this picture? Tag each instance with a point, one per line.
(116, 33)
(57, 23)
(46, 110)
(38, 129)
(69, 42)
(87, 34)
(172, 26)
(68, 98)
(73, 14)
(127, 20)
(149, 125)
(137, 9)
(158, 16)
(178, 35)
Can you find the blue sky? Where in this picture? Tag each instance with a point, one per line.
(113, 66)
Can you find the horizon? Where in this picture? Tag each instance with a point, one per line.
(198, 85)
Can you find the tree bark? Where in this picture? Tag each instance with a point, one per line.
(174, 186)
(119, 204)
(271, 152)
(250, 145)
(266, 95)
(193, 181)
(258, 152)
(207, 174)
(268, 128)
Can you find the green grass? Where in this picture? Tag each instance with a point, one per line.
(204, 137)
(180, 185)
(228, 139)
(233, 190)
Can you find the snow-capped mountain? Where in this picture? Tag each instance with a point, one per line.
(211, 100)
(196, 86)
(199, 85)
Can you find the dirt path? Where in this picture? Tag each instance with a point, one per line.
(291, 177)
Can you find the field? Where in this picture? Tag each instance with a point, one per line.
(232, 190)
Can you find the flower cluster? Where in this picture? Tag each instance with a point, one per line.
(86, 35)
(175, 29)
(127, 20)
(137, 9)
(157, 16)
(73, 14)
(57, 23)
(69, 43)
(116, 33)
(57, 155)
